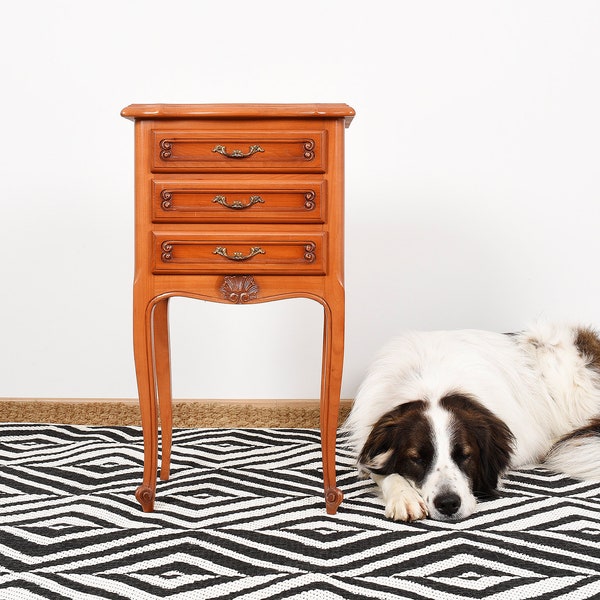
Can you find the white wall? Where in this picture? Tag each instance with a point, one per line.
(473, 185)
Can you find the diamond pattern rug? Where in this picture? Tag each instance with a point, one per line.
(243, 516)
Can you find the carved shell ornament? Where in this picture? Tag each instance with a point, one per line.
(239, 289)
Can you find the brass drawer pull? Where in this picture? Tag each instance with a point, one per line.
(238, 153)
(238, 204)
(222, 251)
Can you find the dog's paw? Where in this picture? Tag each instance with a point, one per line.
(402, 501)
(406, 509)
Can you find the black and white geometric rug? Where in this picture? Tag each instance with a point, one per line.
(243, 518)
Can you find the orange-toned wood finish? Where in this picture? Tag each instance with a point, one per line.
(235, 203)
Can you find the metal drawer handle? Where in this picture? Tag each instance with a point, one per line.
(238, 204)
(238, 153)
(222, 251)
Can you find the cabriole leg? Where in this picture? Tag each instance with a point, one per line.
(331, 382)
(162, 362)
(144, 367)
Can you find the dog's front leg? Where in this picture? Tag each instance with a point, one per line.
(402, 501)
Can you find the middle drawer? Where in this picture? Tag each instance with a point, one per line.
(230, 201)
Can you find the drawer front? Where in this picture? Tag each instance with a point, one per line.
(239, 152)
(242, 202)
(266, 253)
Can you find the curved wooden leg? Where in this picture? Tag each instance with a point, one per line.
(144, 367)
(331, 382)
(162, 361)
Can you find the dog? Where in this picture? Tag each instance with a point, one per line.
(441, 415)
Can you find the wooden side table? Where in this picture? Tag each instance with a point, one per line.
(235, 203)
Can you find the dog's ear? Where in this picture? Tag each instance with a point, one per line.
(387, 439)
(495, 442)
(377, 453)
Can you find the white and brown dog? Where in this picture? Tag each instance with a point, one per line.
(441, 415)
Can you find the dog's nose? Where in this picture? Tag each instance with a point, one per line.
(447, 504)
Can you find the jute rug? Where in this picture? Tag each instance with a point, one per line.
(243, 518)
(186, 413)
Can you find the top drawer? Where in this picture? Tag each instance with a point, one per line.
(239, 152)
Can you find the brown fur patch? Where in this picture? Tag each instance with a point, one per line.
(592, 429)
(588, 346)
(400, 442)
(483, 443)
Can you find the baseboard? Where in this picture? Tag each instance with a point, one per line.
(186, 413)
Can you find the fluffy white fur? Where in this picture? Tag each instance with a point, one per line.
(537, 382)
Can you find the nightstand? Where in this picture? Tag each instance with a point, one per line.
(236, 203)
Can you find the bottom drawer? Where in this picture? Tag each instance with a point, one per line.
(287, 254)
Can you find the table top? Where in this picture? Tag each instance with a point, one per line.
(238, 111)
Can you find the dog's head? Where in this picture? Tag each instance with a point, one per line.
(452, 451)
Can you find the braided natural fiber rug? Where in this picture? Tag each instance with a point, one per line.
(186, 413)
(243, 518)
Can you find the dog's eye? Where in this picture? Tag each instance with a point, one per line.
(417, 460)
(462, 456)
